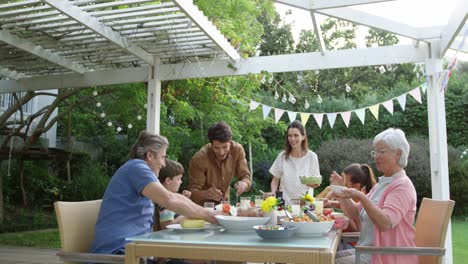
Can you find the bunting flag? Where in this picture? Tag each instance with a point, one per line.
(253, 105)
(278, 114)
(402, 100)
(375, 111)
(361, 113)
(266, 110)
(304, 118)
(346, 116)
(331, 119)
(292, 116)
(319, 119)
(416, 94)
(389, 106)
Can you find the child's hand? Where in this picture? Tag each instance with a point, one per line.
(336, 179)
(186, 193)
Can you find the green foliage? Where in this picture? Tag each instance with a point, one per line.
(23, 219)
(458, 170)
(39, 239)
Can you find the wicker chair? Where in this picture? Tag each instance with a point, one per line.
(431, 228)
(76, 222)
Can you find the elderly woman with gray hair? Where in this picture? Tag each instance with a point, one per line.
(386, 214)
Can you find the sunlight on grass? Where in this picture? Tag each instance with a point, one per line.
(460, 241)
(42, 239)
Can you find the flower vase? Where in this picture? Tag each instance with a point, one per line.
(273, 217)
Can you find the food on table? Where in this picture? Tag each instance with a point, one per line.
(311, 179)
(306, 218)
(327, 211)
(341, 222)
(192, 223)
(272, 227)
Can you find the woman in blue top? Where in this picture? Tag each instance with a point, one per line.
(127, 206)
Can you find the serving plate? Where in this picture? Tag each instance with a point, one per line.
(180, 229)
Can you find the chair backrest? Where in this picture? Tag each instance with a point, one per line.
(431, 226)
(76, 221)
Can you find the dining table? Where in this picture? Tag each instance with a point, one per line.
(216, 244)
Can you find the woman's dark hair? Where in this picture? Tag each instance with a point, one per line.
(145, 142)
(172, 169)
(362, 174)
(304, 144)
(220, 132)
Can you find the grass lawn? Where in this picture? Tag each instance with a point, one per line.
(50, 239)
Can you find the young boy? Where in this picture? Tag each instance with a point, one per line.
(171, 177)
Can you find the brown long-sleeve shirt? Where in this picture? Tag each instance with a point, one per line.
(207, 171)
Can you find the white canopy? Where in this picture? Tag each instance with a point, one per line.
(54, 44)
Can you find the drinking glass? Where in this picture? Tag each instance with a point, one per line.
(209, 205)
(245, 201)
(318, 206)
(296, 207)
(258, 200)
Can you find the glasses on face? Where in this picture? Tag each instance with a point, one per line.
(380, 152)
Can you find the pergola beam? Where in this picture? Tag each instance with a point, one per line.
(219, 67)
(318, 33)
(39, 51)
(204, 24)
(454, 26)
(326, 4)
(11, 74)
(95, 25)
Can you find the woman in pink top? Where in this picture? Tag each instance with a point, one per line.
(386, 214)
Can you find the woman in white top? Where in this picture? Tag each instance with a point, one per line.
(294, 161)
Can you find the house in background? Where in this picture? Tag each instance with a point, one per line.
(49, 138)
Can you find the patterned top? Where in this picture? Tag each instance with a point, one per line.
(289, 171)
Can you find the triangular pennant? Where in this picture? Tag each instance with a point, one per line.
(292, 116)
(416, 94)
(375, 111)
(253, 105)
(331, 119)
(266, 110)
(424, 87)
(361, 113)
(319, 119)
(346, 117)
(304, 118)
(388, 105)
(278, 114)
(402, 100)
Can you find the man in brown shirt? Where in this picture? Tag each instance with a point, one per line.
(214, 166)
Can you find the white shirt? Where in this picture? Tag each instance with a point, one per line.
(288, 171)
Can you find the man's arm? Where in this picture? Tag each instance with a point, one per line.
(176, 202)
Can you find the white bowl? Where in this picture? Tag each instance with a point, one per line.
(311, 179)
(337, 189)
(240, 223)
(310, 229)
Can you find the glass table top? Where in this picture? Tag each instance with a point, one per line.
(216, 236)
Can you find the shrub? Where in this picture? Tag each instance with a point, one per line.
(88, 184)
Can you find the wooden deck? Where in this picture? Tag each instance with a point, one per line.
(27, 255)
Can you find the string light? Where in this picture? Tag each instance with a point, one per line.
(306, 105)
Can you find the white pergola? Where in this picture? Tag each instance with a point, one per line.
(55, 44)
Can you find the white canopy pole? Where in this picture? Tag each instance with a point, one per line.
(153, 106)
(438, 137)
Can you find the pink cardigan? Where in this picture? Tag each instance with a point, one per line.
(399, 202)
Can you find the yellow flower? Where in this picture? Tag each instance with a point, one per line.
(308, 198)
(268, 204)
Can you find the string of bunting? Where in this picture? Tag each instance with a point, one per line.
(345, 116)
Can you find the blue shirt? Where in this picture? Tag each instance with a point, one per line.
(124, 210)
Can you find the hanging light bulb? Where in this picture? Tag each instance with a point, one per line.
(119, 129)
(145, 106)
(139, 117)
(319, 99)
(262, 81)
(348, 88)
(306, 105)
(276, 95)
(284, 99)
(103, 115)
(129, 126)
(94, 93)
(291, 98)
(316, 71)
(98, 104)
(109, 123)
(300, 79)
